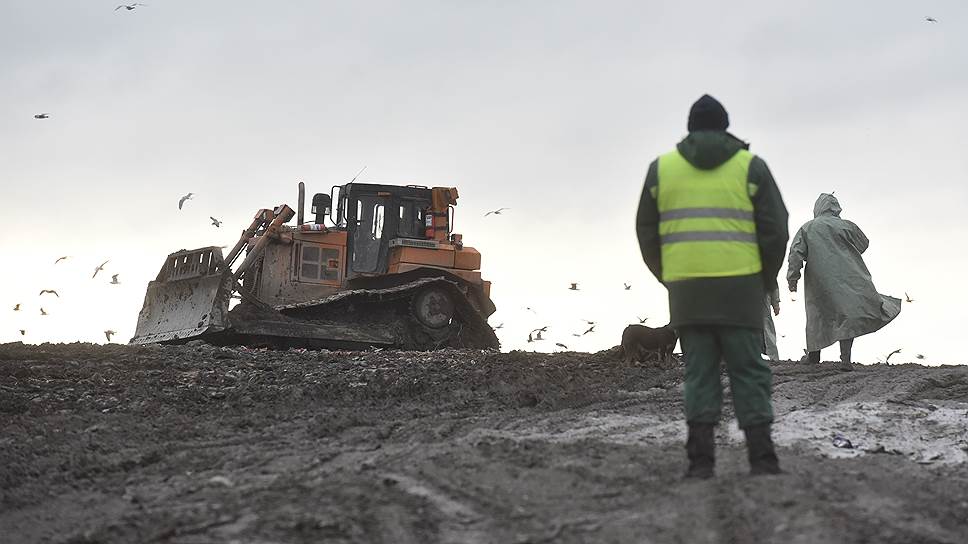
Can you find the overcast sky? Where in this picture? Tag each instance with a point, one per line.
(553, 109)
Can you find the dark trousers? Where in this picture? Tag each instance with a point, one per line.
(750, 377)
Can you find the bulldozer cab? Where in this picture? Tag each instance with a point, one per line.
(374, 215)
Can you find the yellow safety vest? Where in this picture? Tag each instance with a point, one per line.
(706, 222)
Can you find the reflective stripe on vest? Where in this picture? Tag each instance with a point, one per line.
(706, 219)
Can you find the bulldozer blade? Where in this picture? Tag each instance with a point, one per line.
(190, 298)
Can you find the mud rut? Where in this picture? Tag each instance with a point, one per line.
(203, 444)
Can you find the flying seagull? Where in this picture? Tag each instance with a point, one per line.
(64, 258)
(907, 297)
(50, 291)
(887, 360)
(100, 268)
(42, 116)
(560, 345)
(920, 356)
(114, 279)
(530, 338)
(496, 212)
(628, 286)
(43, 312)
(499, 326)
(16, 308)
(590, 329)
(574, 287)
(538, 336)
(129, 7)
(181, 201)
(22, 332)
(590, 322)
(108, 333)
(642, 319)
(540, 329)
(931, 19)
(215, 222)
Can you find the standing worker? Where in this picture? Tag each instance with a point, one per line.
(712, 227)
(841, 301)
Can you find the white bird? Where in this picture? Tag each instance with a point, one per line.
(628, 286)
(215, 222)
(560, 345)
(100, 268)
(108, 333)
(496, 212)
(181, 201)
(64, 258)
(16, 308)
(931, 19)
(590, 329)
(48, 291)
(907, 297)
(43, 312)
(129, 7)
(114, 279)
(42, 116)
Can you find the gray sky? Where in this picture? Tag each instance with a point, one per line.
(554, 109)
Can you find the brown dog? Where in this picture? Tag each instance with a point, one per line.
(641, 343)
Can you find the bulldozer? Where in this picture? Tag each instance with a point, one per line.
(383, 269)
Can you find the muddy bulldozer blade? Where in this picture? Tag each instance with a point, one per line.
(189, 299)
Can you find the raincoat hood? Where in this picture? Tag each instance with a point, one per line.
(827, 205)
(707, 149)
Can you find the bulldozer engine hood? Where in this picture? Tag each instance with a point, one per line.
(707, 149)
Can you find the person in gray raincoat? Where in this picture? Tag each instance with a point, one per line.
(840, 298)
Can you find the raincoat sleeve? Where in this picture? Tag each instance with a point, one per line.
(857, 237)
(771, 217)
(798, 254)
(647, 223)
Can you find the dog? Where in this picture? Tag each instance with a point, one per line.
(641, 343)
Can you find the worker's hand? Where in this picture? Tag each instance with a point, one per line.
(793, 286)
(776, 308)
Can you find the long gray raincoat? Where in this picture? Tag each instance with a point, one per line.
(841, 300)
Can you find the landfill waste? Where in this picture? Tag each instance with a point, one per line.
(841, 441)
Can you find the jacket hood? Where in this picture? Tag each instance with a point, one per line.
(827, 205)
(707, 149)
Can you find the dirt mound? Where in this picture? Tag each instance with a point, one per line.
(199, 443)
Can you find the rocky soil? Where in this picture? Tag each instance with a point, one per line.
(194, 444)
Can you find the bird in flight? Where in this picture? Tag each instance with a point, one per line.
(538, 336)
(181, 201)
(560, 345)
(628, 286)
(49, 291)
(907, 297)
(42, 116)
(642, 319)
(496, 212)
(920, 356)
(23, 332)
(114, 279)
(887, 360)
(64, 258)
(16, 308)
(574, 287)
(100, 268)
(530, 338)
(499, 326)
(540, 329)
(43, 312)
(590, 329)
(129, 7)
(530, 309)
(590, 322)
(931, 19)
(108, 333)
(215, 222)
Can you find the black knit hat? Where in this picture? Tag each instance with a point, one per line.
(708, 114)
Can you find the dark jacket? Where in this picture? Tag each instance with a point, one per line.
(737, 300)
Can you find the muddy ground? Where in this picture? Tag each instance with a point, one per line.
(197, 444)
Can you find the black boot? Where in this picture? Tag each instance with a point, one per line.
(762, 456)
(845, 346)
(813, 357)
(701, 450)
